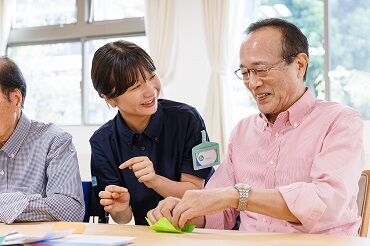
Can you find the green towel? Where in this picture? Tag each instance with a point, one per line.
(163, 225)
(1, 240)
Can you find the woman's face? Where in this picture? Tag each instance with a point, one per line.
(140, 99)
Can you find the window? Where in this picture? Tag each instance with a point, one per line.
(54, 49)
(349, 54)
(53, 75)
(122, 9)
(346, 77)
(44, 13)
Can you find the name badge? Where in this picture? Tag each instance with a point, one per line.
(94, 181)
(206, 154)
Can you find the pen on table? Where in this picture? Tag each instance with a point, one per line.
(11, 236)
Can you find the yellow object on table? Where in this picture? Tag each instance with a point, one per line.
(163, 225)
(78, 228)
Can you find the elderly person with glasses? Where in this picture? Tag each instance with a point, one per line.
(295, 166)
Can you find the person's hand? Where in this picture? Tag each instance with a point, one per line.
(195, 204)
(142, 168)
(163, 209)
(115, 199)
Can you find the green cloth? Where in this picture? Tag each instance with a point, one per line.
(1, 240)
(163, 225)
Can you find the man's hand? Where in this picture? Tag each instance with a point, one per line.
(143, 170)
(115, 199)
(195, 204)
(164, 209)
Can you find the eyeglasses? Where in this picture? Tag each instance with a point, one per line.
(244, 73)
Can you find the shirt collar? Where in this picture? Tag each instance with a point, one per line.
(153, 130)
(299, 110)
(123, 130)
(16, 140)
(296, 113)
(263, 121)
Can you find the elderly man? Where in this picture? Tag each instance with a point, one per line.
(295, 166)
(39, 175)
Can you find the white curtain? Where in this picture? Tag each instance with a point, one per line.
(160, 30)
(219, 15)
(6, 12)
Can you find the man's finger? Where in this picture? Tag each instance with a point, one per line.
(184, 217)
(157, 214)
(176, 213)
(151, 217)
(166, 212)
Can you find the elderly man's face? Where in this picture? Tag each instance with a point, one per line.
(283, 84)
(9, 114)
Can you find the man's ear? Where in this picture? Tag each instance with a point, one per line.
(302, 63)
(16, 98)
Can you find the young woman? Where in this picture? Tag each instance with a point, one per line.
(144, 154)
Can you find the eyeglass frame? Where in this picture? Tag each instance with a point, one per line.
(256, 71)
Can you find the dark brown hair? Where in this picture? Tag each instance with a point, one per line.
(118, 65)
(293, 40)
(11, 78)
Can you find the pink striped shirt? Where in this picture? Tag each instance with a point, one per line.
(313, 154)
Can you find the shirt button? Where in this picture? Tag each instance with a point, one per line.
(264, 220)
(2, 172)
(156, 139)
(271, 162)
(142, 148)
(277, 134)
(295, 124)
(12, 156)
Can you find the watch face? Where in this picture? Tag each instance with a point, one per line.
(242, 186)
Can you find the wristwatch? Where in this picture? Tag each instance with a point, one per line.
(243, 190)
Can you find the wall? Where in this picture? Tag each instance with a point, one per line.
(81, 136)
(189, 82)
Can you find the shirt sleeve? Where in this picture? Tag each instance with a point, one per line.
(103, 173)
(11, 206)
(330, 199)
(223, 177)
(193, 138)
(63, 198)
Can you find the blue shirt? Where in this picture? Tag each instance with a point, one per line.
(167, 141)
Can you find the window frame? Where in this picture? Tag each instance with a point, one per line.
(82, 31)
(326, 47)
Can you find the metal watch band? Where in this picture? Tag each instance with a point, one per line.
(243, 190)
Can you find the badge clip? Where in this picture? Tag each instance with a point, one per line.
(206, 154)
